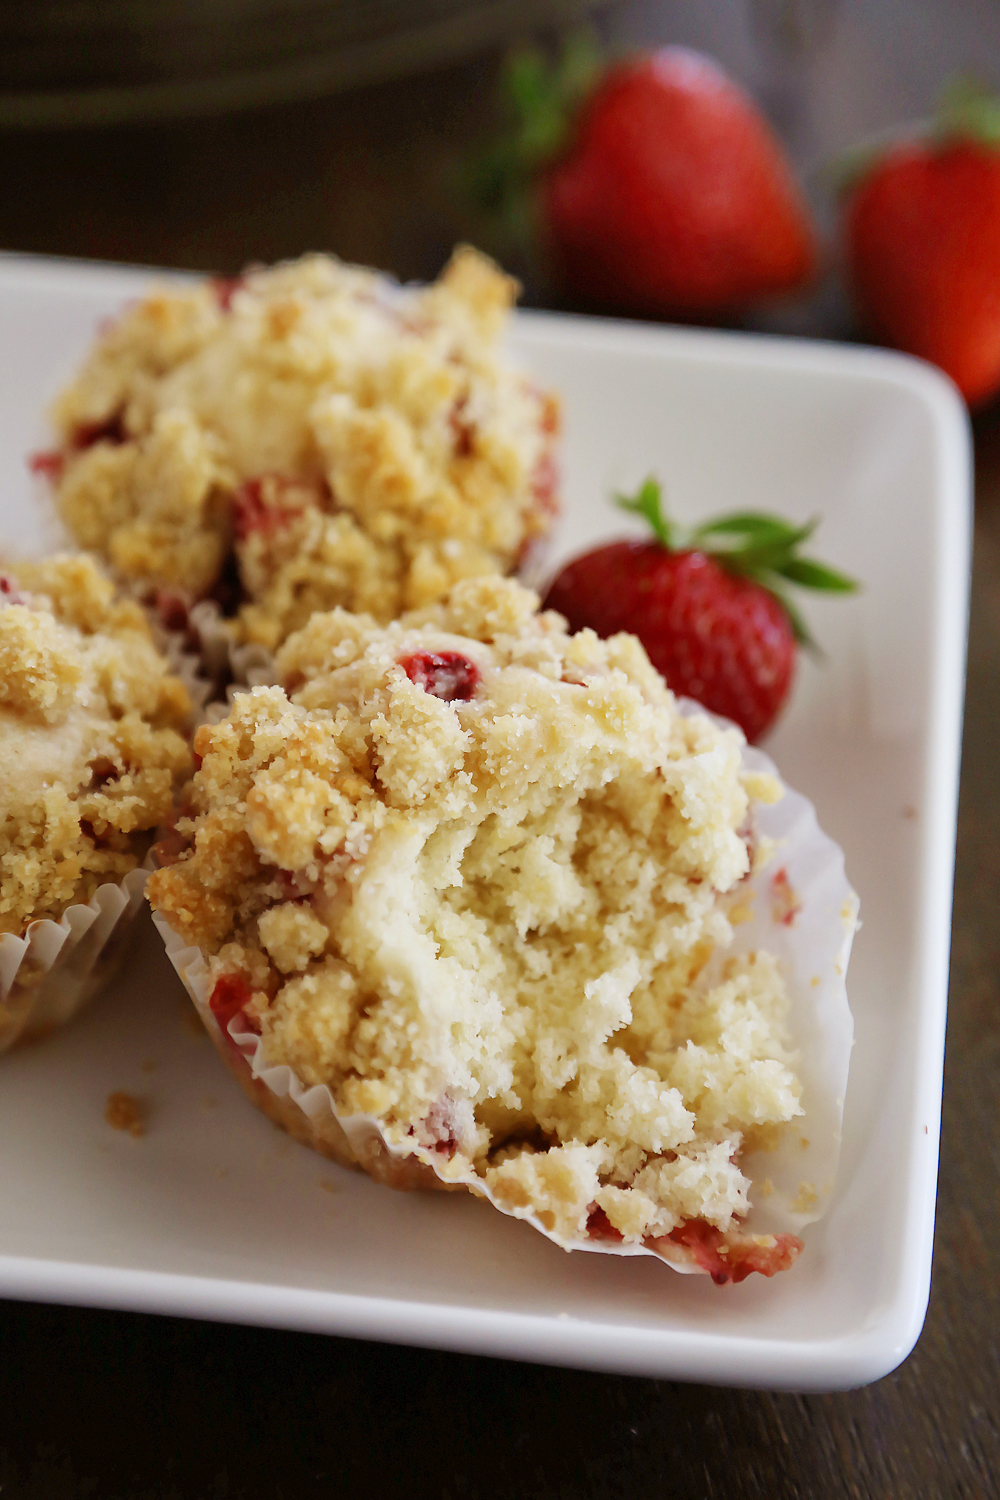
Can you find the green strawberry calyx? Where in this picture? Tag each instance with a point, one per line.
(966, 112)
(751, 544)
(540, 95)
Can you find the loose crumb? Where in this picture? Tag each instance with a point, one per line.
(124, 1112)
(806, 1199)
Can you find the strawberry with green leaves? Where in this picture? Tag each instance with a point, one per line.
(710, 604)
(658, 187)
(922, 235)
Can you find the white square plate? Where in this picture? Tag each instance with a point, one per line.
(213, 1213)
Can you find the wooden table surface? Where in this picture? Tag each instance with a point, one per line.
(116, 1405)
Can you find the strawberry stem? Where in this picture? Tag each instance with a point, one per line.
(968, 111)
(751, 543)
(646, 502)
(540, 99)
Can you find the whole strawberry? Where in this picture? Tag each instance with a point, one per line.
(709, 604)
(673, 195)
(658, 186)
(922, 233)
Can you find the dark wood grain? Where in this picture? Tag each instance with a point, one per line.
(370, 175)
(109, 1405)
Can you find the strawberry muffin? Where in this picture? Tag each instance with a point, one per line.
(92, 751)
(473, 875)
(307, 436)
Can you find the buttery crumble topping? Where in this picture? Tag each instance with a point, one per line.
(308, 436)
(92, 745)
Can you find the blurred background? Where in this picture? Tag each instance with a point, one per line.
(210, 133)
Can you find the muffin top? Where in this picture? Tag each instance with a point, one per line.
(91, 737)
(308, 436)
(472, 876)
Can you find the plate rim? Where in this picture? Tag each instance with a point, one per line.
(858, 1355)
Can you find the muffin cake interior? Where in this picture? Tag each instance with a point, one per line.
(472, 875)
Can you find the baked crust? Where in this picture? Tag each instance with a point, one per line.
(330, 438)
(93, 741)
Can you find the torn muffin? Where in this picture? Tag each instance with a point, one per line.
(471, 873)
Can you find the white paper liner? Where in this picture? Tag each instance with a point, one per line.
(791, 1185)
(185, 665)
(50, 973)
(251, 665)
(248, 665)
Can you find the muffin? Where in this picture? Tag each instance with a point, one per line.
(475, 877)
(305, 437)
(92, 751)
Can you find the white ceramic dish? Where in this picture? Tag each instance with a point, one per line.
(214, 1214)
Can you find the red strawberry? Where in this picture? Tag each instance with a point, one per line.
(230, 998)
(660, 187)
(708, 604)
(922, 229)
(674, 196)
(444, 674)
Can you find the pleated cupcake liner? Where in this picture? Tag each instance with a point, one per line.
(53, 970)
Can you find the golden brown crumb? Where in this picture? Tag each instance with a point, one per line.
(806, 1199)
(92, 738)
(349, 442)
(124, 1112)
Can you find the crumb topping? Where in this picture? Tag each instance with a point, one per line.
(496, 918)
(92, 747)
(349, 443)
